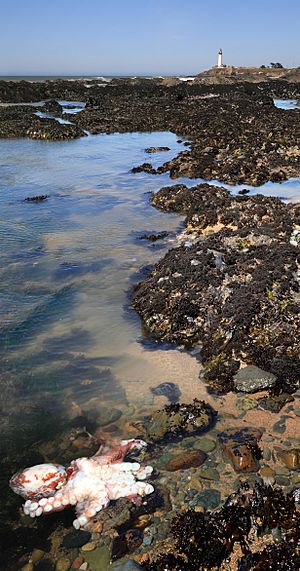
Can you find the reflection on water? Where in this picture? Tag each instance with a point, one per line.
(68, 342)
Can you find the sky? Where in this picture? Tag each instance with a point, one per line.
(145, 37)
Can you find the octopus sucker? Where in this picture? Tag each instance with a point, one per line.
(88, 484)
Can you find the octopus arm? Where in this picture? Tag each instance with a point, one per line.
(87, 509)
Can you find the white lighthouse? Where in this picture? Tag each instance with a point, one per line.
(220, 56)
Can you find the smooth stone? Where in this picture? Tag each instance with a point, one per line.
(297, 411)
(282, 471)
(84, 566)
(36, 555)
(209, 499)
(282, 481)
(241, 448)
(279, 426)
(63, 564)
(268, 475)
(296, 479)
(90, 546)
(204, 444)
(209, 474)
(76, 538)
(127, 566)
(267, 454)
(99, 559)
(28, 567)
(108, 415)
(77, 562)
(252, 379)
(291, 458)
(186, 460)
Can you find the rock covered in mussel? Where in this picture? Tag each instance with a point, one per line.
(177, 420)
(203, 541)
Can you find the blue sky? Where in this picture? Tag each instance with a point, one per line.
(144, 36)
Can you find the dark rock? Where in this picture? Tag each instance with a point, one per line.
(197, 292)
(39, 198)
(202, 541)
(252, 379)
(186, 460)
(276, 402)
(157, 149)
(145, 167)
(169, 390)
(52, 107)
(209, 499)
(175, 421)
(154, 237)
(76, 538)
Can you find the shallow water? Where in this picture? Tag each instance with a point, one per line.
(68, 335)
(69, 343)
(286, 103)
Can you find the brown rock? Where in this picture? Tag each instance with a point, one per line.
(291, 458)
(188, 460)
(241, 447)
(77, 562)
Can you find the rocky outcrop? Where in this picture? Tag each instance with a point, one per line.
(232, 288)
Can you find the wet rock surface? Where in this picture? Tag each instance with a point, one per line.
(21, 121)
(241, 447)
(252, 379)
(232, 287)
(202, 541)
(175, 421)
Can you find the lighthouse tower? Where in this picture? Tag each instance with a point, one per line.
(220, 55)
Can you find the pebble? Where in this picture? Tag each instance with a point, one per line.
(98, 559)
(63, 564)
(195, 484)
(84, 566)
(209, 474)
(108, 415)
(296, 479)
(76, 538)
(186, 460)
(279, 426)
(209, 499)
(204, 444)
(282, 471)
(28, 567)
(297, 411)
(282, 481)
(268, 475)
(77, 562)
(90, 546)
(36, 555)
(267, 454)
(291, 458)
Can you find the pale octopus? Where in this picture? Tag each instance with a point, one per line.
(88, 484)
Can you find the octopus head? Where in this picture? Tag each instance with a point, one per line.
(41, 481)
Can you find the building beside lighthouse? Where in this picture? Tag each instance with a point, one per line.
(220, 58)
